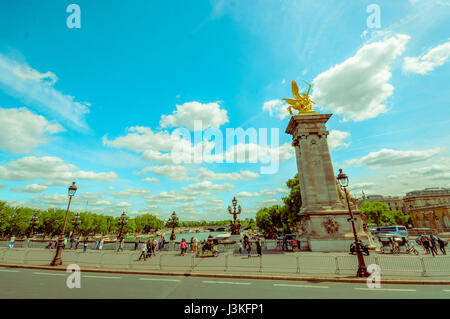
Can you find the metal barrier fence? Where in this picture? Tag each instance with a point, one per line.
(92, 245)
(295, 263)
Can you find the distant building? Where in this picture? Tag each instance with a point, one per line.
(394, 202)
(429, 208)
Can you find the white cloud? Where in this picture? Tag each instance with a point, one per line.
(51, 169)
(336, 139)
(358, 87)
(276, 108)
(173, 172)
(101, 203)
(33, 188)
(22, 130)
(135, 192)
(206, 174)
(36, 89)
(246, 194)
(150, 180)
(210, 114)
(141, 138)
(206, 187)
(438, 171)
(171, 197)
(388, 157)
(124, 204)
(252, 152)
(264, 193)
(427, 62)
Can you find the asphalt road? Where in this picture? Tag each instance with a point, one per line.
(34, 283)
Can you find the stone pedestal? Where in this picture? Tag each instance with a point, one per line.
(324, 213)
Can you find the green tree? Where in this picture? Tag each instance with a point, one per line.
(378, 213)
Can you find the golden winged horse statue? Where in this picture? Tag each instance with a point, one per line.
(302, 103)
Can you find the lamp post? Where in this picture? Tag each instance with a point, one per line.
(174, 224)
(123, 220)
(75, 222)
(362, 270)
(33, 222)
(57, 260)
(234, 212)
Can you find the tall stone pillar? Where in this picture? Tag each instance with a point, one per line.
(324, 210)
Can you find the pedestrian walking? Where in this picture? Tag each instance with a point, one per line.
(72, 241)
(284, 243)
(149, 248)
(11, 241)
(120, 244)
(425, 244)
(441, 245)
(100, 245)
(97, 244)
(85, 245)
(65, 242)
(143, 251)
(154, 245)
(77, 242)
(183, 246)
(240, 247)
(431, 244)
(258, 248)
(249, 248)
(50, 243)
(162, 242)
(195, 244)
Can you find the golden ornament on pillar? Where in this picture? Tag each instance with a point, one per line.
(301, 102)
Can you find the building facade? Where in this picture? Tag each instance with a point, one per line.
(394, 202)
(429, 208)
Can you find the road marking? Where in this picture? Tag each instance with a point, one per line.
(47, 273)
(446, 290)
(159, 279)
(103, 277)
(6, 270)
(302, 286)
(385, 289)
(226, 282)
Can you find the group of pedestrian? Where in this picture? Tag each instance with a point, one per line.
(430, 244)
(148, 249)
(247, 245)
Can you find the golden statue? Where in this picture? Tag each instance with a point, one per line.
(301, 103)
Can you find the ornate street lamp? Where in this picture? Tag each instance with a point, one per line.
(174, 224)
(57, 260)
(234, 229)
(33, 222)
(75, 222)
(362, 270)
(123, 220)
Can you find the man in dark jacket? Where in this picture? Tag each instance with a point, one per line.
(441, 245)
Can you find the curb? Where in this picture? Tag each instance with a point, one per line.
(238, 276)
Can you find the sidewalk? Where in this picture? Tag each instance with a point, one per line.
(305, 266)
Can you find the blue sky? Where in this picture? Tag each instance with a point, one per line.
(99, 104)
